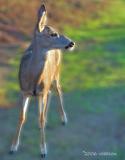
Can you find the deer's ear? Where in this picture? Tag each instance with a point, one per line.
(42, 18)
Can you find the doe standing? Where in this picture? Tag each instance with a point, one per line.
(39, 71)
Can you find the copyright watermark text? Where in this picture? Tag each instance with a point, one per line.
(99, 153)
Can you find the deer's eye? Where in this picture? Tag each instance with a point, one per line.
(54, 35)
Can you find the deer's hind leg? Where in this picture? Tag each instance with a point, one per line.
(22, 118)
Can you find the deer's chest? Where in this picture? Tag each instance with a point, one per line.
(49, 69)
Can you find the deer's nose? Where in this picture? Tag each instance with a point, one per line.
(71, 44)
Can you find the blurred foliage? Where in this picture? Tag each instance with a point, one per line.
(17, 25)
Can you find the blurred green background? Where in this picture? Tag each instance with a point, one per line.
(93, 79)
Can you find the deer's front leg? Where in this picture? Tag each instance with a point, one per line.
(42, 119)
(61, 108)
(15, 143)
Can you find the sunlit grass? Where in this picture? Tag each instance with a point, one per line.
(101, 34)
(98, 63)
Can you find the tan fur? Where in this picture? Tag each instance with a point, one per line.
(51, 69)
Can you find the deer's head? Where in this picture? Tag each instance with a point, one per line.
(47, 36)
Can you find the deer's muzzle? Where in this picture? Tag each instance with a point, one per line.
(70, 45)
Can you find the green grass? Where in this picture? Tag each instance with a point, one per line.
(96, 123)
(99, 60)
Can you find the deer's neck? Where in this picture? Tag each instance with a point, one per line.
(37, 62)
(39, 53)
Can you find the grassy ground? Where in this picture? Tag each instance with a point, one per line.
(96, 123)
(93, 82)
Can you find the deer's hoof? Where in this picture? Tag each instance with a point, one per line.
(43, 155)
(11, 152)
(64, 119)
(43, 151)
(14, 148)
(64, 123)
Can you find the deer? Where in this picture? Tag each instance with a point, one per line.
(39, 72)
